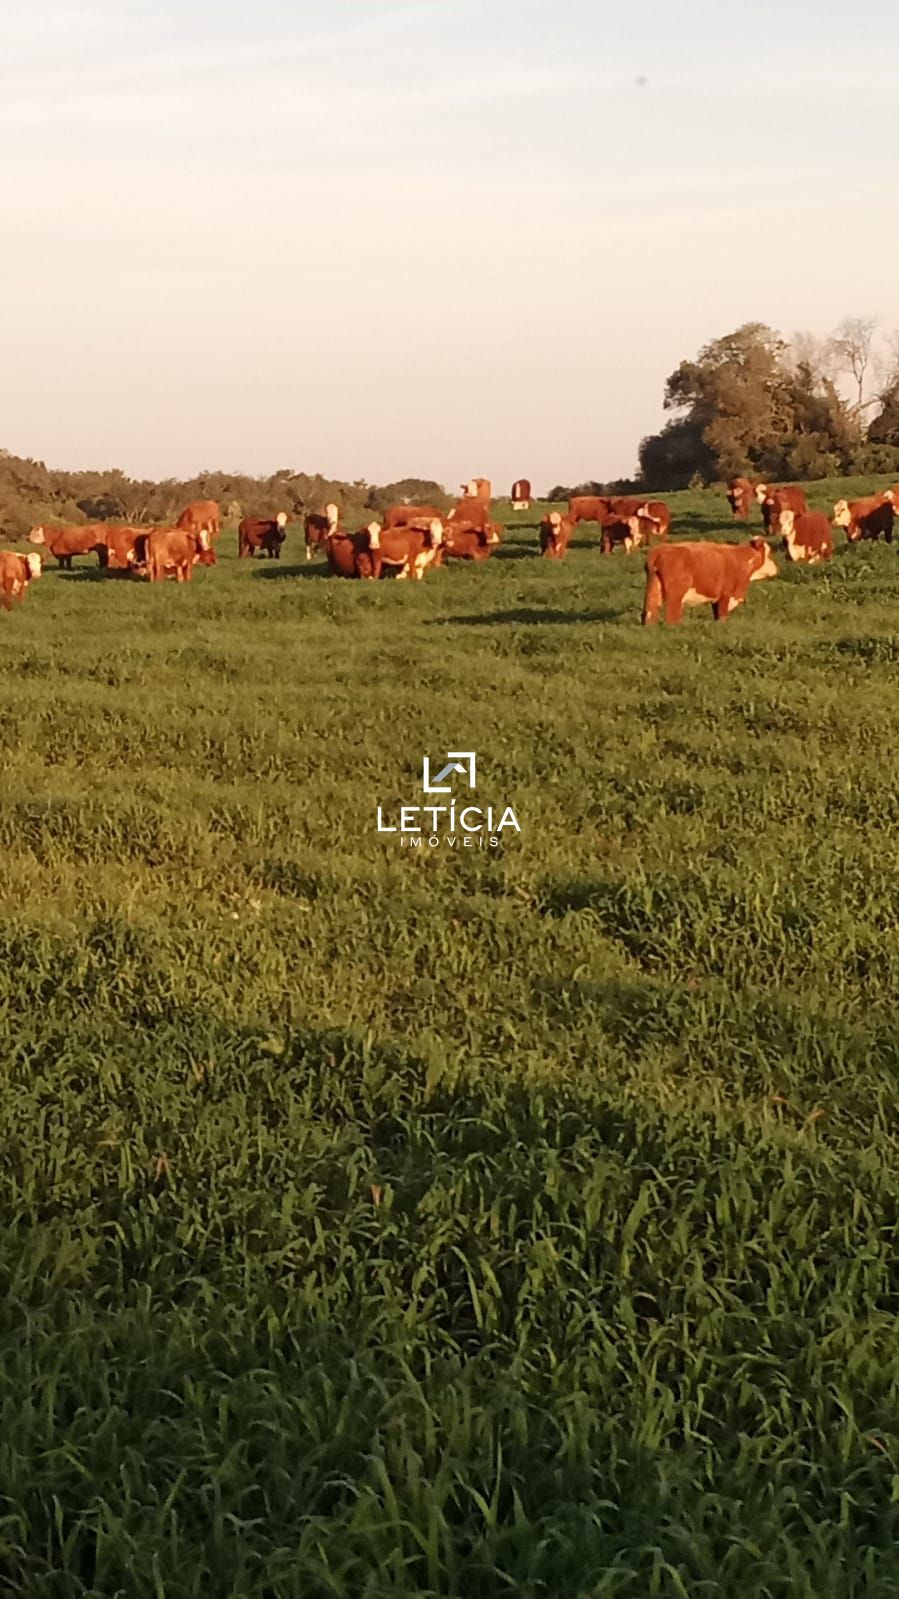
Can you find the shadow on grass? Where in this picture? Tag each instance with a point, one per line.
(526, 616)
(275, 569)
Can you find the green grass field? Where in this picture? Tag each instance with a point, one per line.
(390, 1222)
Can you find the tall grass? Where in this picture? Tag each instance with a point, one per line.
(459, 1224)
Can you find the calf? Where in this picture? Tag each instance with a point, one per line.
(867, 518)
(261, 533)
(66, 542)
(462, 542)
(174, 552)
(703, 574)
(318, 527)
(807, 536)
(16, 572)
(741, 497)
(555, 536)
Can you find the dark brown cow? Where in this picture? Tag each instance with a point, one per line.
(588, 508)
(201, 516)
(741, 497)
(867, 518)
(66, 542)
(807, 536)
(555, 535)
(474, 512)
(264, 533)
(654, 517)
(16, 572)
(703, 574)
(349, 554)
(774, 499)
(406, 515)
(462, 542)
(623, 530)
(174, 552)
(319, 526)
(521, 495)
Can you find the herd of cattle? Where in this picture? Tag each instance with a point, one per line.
(412, 538)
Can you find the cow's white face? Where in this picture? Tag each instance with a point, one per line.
(787, 521)
(374, 535)
(555, 520)
(33, 563)
(767, 567)
(841, 514)
(203, 540)
(281, 519)
(761, 492)
(332, 514)
(436, 530)
(36, 536)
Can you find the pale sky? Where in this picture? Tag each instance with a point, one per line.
(441, 238)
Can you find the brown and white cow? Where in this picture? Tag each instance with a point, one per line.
(201, 516)
(741, 497)
(807, 536)
(120, 554)
(472, 511)
(521, 495)
(588, 508)
(406, 515)
(773, 499)
(16, 572)
(555, 535)
(173, 552)
(319, 526)
(654, 517)
(264, 533)
(407, 551)
(462, 542)
(866, 518)
(620, 530)
(478, 488)
(703, 574)
(64, 543)
(349, 554)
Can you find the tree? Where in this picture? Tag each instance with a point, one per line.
(852, 346)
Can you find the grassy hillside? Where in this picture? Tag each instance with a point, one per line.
(453, 1223)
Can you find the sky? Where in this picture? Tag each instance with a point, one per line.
(435, 238)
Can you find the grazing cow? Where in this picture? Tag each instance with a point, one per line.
(773, 500)
(349, 554)
(654, 517)
(406, 515)
(478, 488)
(588, 508)
(174, 552)
(555, 534)
(201, 516)
(262, 533)
(66, 542)
(408, 551)
(472, 511)
(16, 572)
(521, 495)
(807, 536)
(623, 530)
(867, 518)
(463, 542)
(319, 526)
(120, 554)
(703, 574)
(741, 497)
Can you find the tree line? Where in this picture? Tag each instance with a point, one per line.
(31, 493)
(753, 402)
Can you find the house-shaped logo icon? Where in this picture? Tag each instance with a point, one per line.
(458, 763)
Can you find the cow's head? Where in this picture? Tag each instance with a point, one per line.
(764, 564)
(34, 565)
(37, 536)
(435, 533)
(374, 535)
(786, 523)
(842, 516)
(761, 492)
(333, 516)
(281, 520)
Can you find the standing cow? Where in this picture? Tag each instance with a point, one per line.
(16, 572)
(201, 516)
(264, 533)
(703, 574)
